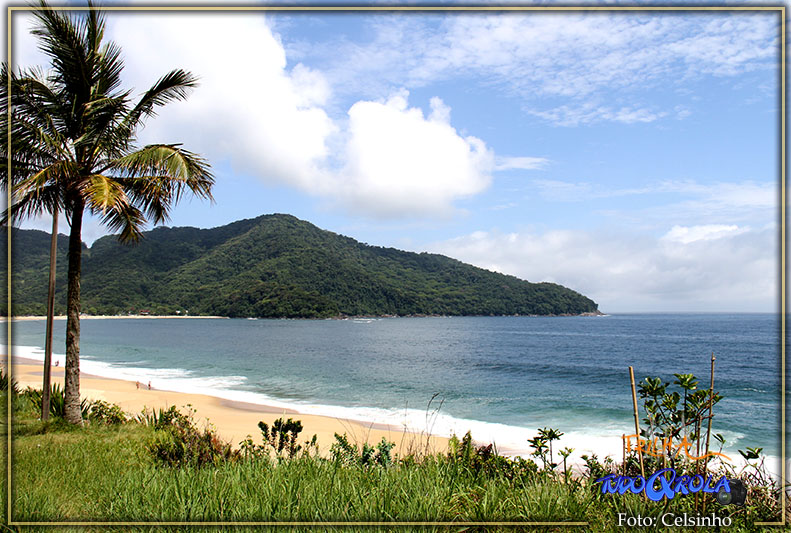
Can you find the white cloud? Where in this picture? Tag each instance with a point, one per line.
(706, 232)
(502, 207)
(521, 163)
(269, 119)
(251, 108)
(588, 112)
(596, 65)
(399, 161)
(688, 200)
(736, 271)
(716, 203)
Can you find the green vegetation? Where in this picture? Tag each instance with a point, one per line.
(277, 266)
(677, 419)
(117, 472)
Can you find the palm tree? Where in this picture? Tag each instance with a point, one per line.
(73, 149)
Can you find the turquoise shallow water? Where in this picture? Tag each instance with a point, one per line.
(502, 377)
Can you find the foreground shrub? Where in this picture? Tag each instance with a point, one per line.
(282, 436)
(178, 442)
(344, 452)
(280, 440)
(57, 401)
(102, 412)
(8, 383)
(486, 462)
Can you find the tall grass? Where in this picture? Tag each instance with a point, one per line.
(105, 474)
(108, 473)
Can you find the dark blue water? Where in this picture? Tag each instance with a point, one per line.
(503, 377)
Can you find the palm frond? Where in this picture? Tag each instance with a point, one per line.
(102, 193)
(94, 27)
(58, 174)
(157, 175)
(99, 139)
(63, 41)
(35, 128)
(46, 200)
(84, 70)
(126, 218)
(173, 86)
(105, 196)
(108, 68)
(180, 165)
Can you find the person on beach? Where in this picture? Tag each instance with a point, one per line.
(149, 385)
(137, 384)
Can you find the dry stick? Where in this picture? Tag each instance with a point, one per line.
(711, 415)
(636, 422)
(53, 254)
(698, 438)
(623, 450)
(697, 461)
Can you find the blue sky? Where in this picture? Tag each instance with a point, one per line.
(630, 156)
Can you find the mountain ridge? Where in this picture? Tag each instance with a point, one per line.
(276, 266)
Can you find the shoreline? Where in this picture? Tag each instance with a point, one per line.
(234, 420)
(26, 318)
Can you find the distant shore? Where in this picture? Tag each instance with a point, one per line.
(341, 317)
(95, 317)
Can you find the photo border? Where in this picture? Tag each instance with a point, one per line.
(779, 9)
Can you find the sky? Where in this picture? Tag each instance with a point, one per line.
(633, 157)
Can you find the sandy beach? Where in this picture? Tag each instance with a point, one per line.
(233, 420)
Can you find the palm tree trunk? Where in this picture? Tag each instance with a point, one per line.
(72, 368)
(53, 255)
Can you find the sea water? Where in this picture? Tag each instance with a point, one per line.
(502, 378)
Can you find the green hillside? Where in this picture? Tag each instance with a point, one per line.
(274, 266)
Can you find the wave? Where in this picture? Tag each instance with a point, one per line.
(602, 439)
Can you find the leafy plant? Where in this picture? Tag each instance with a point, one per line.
(549, 435)
(565, 453)
(344, 452)
(161, 418)
(485, 461)
(57, 401)
(542, 445)
(105, 413)
(178, 442)
(282, 436)
(751, 453)
(676, 418)
(595, 469)
(8, 383)
(540, 448)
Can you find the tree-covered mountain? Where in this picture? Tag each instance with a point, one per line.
(274, 266)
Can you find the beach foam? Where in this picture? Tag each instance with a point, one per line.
(603, 441)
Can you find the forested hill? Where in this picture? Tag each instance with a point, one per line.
(274, 266)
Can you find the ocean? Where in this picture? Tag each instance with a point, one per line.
(502, 378)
